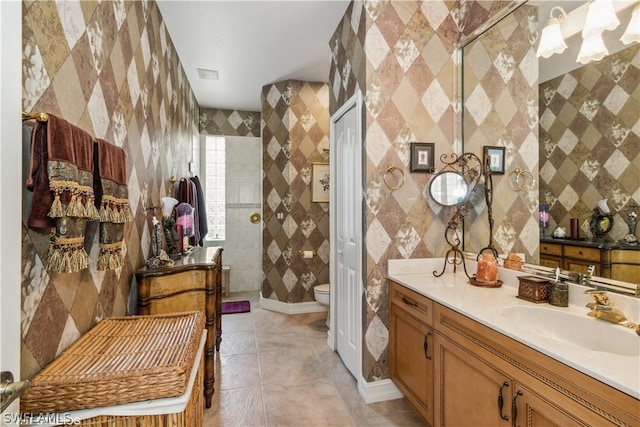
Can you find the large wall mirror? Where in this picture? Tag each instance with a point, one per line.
(574, 126)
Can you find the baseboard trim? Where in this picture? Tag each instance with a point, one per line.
(378, 391)
(292, 308)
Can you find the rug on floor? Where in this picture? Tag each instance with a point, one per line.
(231, 307)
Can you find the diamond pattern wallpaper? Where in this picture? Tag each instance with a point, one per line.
(400, 56)
(295, 134)
(590, 141)
(229, 122)
(111, 69)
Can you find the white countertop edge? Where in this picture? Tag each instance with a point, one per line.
(455, 292)
(167, 405)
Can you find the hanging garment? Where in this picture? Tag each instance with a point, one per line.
(187, 193)
(201, 215)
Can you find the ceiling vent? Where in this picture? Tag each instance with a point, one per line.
(205, 74)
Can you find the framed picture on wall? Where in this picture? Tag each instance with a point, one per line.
(496, 159)
(422, 154)
(320, 182)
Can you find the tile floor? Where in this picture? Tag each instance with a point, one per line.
(275, 369)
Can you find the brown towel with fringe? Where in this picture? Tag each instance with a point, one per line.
(113, 201)
(60, 173)
(61, 178)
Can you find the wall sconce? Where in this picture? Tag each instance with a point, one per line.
(551, 40)
(600, 17)
(632, 33)
(591, 19)
(592, 49)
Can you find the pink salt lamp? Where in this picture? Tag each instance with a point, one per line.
(487, 268)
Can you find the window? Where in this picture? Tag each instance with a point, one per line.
(214, 183)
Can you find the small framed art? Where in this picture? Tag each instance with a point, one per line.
(422, 154)
(320, 182)
(496, 159)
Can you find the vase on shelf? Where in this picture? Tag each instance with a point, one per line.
(630, 238)
(543, 218)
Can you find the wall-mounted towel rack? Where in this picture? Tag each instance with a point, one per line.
(41, 117)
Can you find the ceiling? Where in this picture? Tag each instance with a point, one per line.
(251, 44)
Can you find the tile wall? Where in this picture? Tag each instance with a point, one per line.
(110, 68)
(295, 133)
(214, 121)
(590, 141)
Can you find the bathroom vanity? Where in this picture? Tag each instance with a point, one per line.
(467, 355)
(619, 262)
(193, 283)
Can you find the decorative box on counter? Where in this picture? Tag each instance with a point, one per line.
(534, 289)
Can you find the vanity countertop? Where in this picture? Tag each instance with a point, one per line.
(493, 307)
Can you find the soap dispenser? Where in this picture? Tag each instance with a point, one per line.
(559, 295)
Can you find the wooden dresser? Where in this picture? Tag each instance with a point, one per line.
(612, 261)
(192, 283)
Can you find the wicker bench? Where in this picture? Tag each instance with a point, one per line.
(123, 360)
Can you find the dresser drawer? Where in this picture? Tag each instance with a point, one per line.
(412, 302)
(582, 267)
(187, 301)
(550, 249)
(178, 282)
(551, 262)
(625, 256)
(584, 254)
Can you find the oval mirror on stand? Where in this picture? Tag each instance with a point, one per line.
(448, 188)
(452, 187)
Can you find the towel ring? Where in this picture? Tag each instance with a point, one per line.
(519, 172)
(392, 168)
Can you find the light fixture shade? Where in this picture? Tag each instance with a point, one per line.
(593, 48)
(551, 40)
(600, 17)
(632, 33)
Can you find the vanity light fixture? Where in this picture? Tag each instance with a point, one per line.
(600, 17)
(592, 49)
(551, 40)
(632, 33)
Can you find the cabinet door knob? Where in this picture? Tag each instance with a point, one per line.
(426, 345)
(501, 400)
(514, 407)
(409, 302)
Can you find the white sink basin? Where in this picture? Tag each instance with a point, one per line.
(578, 329)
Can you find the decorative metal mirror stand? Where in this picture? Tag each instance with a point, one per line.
(453, 186)
(488, 197)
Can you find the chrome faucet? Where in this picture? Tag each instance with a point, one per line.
(602, 308)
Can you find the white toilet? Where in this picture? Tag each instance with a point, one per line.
(321, 294)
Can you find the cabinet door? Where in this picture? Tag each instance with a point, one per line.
(531, 410)
(411, 360)
(469, 389)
